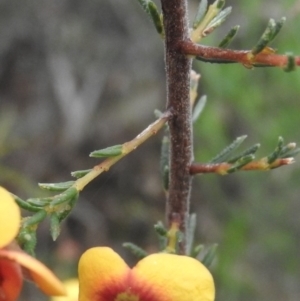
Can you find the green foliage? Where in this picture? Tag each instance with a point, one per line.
(268, 36)
(252, 208)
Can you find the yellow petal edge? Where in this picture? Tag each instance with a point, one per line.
(99, 264)
(10, 217)
(164, 277)
(179, 277)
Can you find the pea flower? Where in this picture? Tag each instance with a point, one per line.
(104, 276)
(13, 261)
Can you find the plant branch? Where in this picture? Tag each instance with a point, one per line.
(59, 206)
(127, 147)
(245, 57)
(178, 67)
(69, 190)
(226, 168)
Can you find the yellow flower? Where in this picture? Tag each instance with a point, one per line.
(14, 261)
(104, 276)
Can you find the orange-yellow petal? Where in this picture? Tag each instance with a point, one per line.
(9, 218)
(37, 271)
(11, 279)
(104, 276)
(176, 277)
(102, 273)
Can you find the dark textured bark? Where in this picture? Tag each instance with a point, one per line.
(178, 67)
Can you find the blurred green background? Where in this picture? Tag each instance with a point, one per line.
(76, 76)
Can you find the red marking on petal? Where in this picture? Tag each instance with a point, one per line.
(37, 271)
(10, 280)
(131, 285)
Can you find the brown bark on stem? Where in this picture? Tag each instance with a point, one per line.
(178, 67)
(214, 54)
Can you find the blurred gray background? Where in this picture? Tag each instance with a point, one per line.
(76, 76)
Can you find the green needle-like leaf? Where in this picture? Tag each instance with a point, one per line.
(292, 153)
(275, 155)
(240, 163)
(197, 250)
(164, 153)
(191, 233)
(217, 21)
(161, 229)
(34, 219)
(202, 8)
(220, 4)
(135, 250)
(162, 234)
(278, 27)
(165, 178)
(56, 186)
(39, 202)
(268, 35)
(287, 149)
(229, 37)
(54, 225)
(250, 151)
(151, 9)
(158, 114)
(144, 4)
(111, 151)
(200, 31)
(65, 196)
(164, 160)
(156, 17)
(210, 256)
(225, 153)
(27, 238)
(67, 209)
(25, 205)
(80, 173)
(198, 109)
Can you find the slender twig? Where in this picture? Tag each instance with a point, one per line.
(224, 168)
(220, 55)
(178, 67)
(127, 147)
